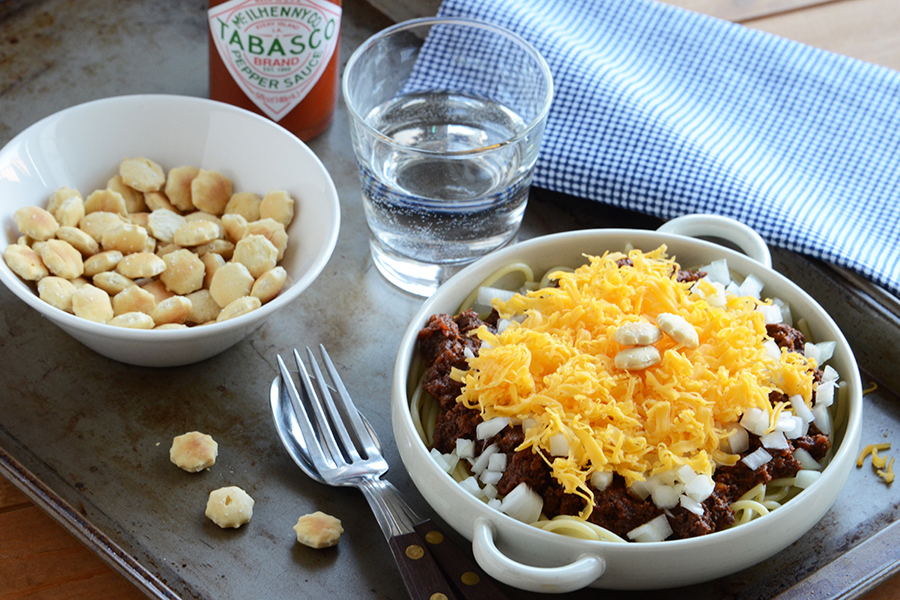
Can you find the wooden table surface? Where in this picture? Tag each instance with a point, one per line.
(40, 560)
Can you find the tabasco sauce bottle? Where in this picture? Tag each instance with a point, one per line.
(277, 58)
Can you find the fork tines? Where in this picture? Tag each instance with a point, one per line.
(332, 411)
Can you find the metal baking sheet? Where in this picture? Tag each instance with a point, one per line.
(87, 438)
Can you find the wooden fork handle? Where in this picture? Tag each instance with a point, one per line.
(431, 563)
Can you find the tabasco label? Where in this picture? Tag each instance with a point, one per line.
(276, 50)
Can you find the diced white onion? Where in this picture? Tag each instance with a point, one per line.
(718, 300)
(821, 352)
(806, 460)
(733, 289)
(826, 351)
(801, 409)
(494, 503)
(452, 460)
(529, 423)
(772, 349)
(774, 441)
(559, 445)
(486, 294)
(690, 504)
(470, 484)
(489, 491)
(804, 478)
(664, 478)
(713, 292)
(491, 427)
(829, 374)
(523, 504)
(825, 393)
(755, 420)
(784, 421)
(700, 488)
(640, 489)
(490, 477)
(655, 530)
(751, 286)
(437, 457)
(467, 352)
(771, 313)
(823, 418)
(601, 480)
(665, 496)
(502, 324)
(465, 448)
(481, 461)
(756, 459)
(686, 474)
(798, 428)
(737, 441)
(786, 316)
(811, 351)
(717, 272)
(497, 462)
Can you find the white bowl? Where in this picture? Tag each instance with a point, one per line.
(537, 560)
(81, 147)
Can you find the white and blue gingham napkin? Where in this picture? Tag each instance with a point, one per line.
(670, 112)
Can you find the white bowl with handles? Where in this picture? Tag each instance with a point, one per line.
(536, 560)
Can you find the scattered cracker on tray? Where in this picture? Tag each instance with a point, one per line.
(229, 507)
(318, 530)
(194, 451)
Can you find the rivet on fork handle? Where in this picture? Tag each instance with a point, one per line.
(421, 574)
(472, 583)
(418, 555)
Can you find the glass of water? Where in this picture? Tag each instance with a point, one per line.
(446, 116)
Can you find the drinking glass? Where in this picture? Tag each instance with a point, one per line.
(446, 117)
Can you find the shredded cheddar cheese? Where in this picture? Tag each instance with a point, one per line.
(887, 474)
(878, 462)
(553, 368)
(873, 450)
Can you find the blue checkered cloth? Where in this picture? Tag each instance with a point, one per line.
(668, 112)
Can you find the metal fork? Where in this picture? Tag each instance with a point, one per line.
(334, 444)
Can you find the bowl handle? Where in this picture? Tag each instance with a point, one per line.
(726, 228)
(555, 580)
